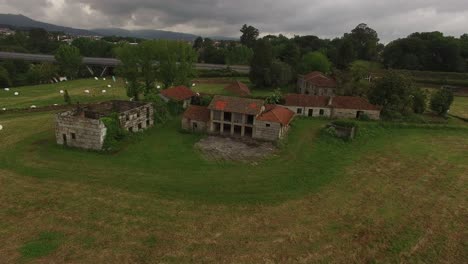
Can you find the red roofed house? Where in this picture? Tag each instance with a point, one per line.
(180, 94)
(331, 106)
(241, 117)
(196, 118)
(316, 83)
(238, 88)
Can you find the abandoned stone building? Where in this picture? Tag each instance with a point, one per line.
(179, 94)
(239, 117)
(316, 83)
(331, 106)
(83, 128)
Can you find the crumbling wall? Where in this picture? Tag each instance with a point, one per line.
(137, 119)
(78, 131)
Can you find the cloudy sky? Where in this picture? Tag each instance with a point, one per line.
(391, 18)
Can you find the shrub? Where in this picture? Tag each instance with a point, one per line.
(364, 117)
(114, 131)
(161, 111)
(441, 101)
(67, 98)
(342, 123)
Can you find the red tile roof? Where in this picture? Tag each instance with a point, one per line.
(197, 113)
(343, 102)
(319, 79)
(353, 102)
(178, 93)
(238, 88)
(306, 100)
(277, 114)
(236, 105)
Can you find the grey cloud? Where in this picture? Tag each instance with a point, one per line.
(391, 19)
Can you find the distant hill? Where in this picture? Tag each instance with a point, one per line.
(144, 34)
(20, 21)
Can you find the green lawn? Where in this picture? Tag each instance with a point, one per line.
(460, 107)
(395, 194)
(49, 94)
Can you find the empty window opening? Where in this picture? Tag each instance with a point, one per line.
(311, 112)
(322, 112)
(267, 125)
(227, 116)
(140, 126)
(299, 111)
(73, 135)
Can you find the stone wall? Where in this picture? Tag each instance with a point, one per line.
(80, 132)
(352, 113)
(267, 130)
(315, 111)
(194, 125)
(137, 119)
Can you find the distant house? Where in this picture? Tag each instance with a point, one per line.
(331, 106)
(238, 88)
(83, 128)
(179, 94)
(239, 117)
(196, 118)
(316, 83)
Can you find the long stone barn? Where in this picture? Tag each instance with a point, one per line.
(83, 128)
(349, 107)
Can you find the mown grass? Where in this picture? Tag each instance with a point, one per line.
(395, 194)
(460, 107)
(49, 94)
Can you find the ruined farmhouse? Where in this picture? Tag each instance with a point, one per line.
(239, 117)
(83, 127)
(331, 106)
(316, 83)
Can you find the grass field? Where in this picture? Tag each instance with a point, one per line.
(49, 94)
(460, 107)
(393, 195)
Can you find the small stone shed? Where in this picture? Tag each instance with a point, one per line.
(179, 94)
(83, 128)
(196, 118)
(273, 123)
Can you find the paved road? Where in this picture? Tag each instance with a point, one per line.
(107, 61)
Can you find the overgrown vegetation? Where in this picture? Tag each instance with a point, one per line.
(114, 132)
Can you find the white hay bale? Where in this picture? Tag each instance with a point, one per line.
(96, 78)
(55, 104)
(86, 91)
(3, 109)
(193, 85)
(7, 89)
(62, 91)
(1, 127)
(104, 91)
(16, 93)
(159, 87)
(33, 106)
(103, 79)
(109, 86)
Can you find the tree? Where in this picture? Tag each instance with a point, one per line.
(275, 98)
(238, 55)
(441, 101)
(394, 93)
(345, 53)
(291, 54)
(366, 42)
(41, 73)
(5, 80)
(260, 65)
(198, 43)
(66, 97)
(315, 61)
(249, 35)
(280, 74)
(69, 60)
(177, 64)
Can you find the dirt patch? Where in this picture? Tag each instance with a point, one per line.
(230, 149)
